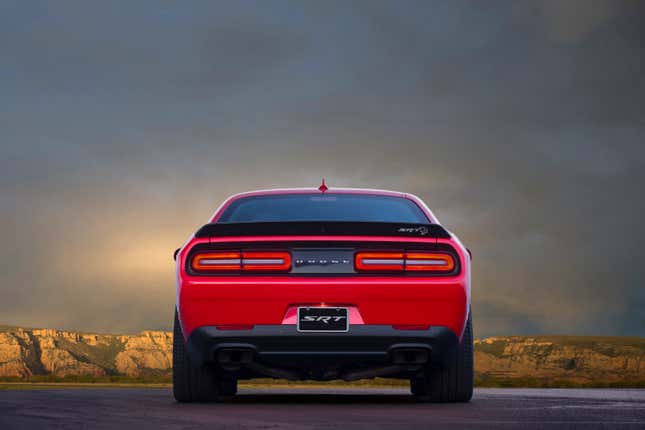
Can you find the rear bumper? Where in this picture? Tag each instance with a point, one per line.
(381, 300)
(314, 355)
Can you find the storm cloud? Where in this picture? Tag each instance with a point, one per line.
(521, 124)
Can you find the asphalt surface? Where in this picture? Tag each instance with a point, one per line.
(315, 408)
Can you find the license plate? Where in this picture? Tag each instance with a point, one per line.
(325, 319)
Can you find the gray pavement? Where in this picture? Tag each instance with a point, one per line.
(316, 408)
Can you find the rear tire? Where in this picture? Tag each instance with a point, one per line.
(227, 388)
(454, 381)
(192, 383)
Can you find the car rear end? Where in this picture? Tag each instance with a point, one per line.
(304, 284)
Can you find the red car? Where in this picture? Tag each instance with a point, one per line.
(323, 284)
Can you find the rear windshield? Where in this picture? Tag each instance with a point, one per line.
(328, 207)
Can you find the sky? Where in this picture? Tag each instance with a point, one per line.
(123, 125)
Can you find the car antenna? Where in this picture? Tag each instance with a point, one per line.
(323, 187)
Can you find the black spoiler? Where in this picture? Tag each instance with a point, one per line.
(323, 228)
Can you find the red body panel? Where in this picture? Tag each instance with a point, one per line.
(378, 299)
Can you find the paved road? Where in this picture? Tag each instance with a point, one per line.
(309, 408)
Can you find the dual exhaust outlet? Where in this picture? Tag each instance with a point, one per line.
(401, 358)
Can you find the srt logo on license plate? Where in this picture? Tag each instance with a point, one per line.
(323, 319)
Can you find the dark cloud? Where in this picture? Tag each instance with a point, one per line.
(520, 123)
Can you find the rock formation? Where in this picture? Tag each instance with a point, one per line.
(25, 353)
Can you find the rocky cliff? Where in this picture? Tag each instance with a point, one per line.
(25, 353)
(578, 359)
(28, 352)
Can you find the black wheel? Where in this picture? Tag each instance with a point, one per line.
(192, 383)
(227, 387)
(452, 382)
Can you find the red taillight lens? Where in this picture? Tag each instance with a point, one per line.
(266, 260)
(217, 261)
(230, 261)
(428, 262)
(379, 261)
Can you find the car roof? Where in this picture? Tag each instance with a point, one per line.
(334, 190)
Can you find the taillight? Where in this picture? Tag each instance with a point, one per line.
(217, 261)
(266, 260)
(379, 261)
(252, 261)
(428, 262)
